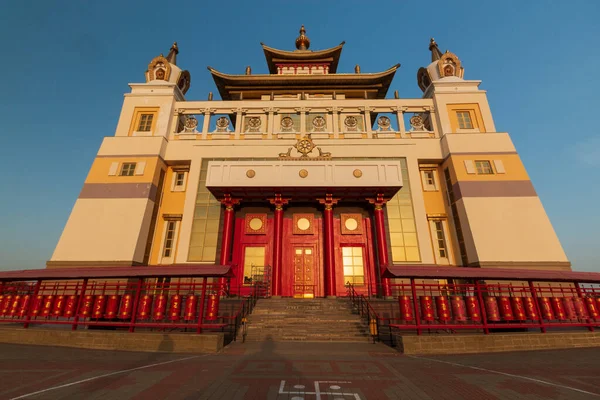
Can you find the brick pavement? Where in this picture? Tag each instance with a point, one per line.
(299, 370)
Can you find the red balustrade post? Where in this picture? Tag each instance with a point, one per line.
(382, 249)
(580, 295)
(278, 201)
(228, 229)
(78, 305)
(330, 281)
(413, 289)
(138, 291)
(537, 306)
(202, 302)
(486, 330)
(36, 290)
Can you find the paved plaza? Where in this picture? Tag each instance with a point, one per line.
(294, 371)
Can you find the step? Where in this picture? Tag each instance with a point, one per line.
(316, 320)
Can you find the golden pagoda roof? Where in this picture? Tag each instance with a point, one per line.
(275, 56)
(376, 83)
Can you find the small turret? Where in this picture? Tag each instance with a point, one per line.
(443, 66)
(165, 69)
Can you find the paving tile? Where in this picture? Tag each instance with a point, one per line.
(299, 370)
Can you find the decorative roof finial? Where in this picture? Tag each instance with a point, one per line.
(172, 56)
(435, 51)
(302, 42)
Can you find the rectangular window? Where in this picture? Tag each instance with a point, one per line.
(127, 169)
(179, 178)
(169, 239)
(483, 168)
(464, 120)
(441, 239)
(145, 124)
(354, 269)
(459, 235)
(429, 180)
(254, 261)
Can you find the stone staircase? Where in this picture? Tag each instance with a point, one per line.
(311, 320)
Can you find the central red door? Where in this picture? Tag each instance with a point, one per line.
(304, 271)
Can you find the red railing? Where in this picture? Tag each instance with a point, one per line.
(166, 303)
(420, 306)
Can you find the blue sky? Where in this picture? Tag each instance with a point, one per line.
(67, 65)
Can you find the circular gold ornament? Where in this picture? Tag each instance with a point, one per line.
(287, 123)
(190, 124)
(303, 224)
(303, 173)
(255, 224)
(384, 123)
(222, 122)
(351, 224)
(254, 122)
(351, 121)
(357, 173)
(250, 173)
(319, 122)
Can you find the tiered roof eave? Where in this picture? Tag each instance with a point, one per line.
(378, 82)
(275, 56)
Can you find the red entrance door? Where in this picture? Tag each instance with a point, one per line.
(304, 264)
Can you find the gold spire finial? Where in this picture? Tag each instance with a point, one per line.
(302, 41)
(435, 51)
(172, 56)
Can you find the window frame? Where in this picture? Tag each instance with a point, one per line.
(468, 113)
(480, 171)
(174, 186)
(430, 187)
(169, 242)
(475, 115)
(354, 267)
(144, 123)
(130, 168)
(172, 248)
(440, 258)
(139, 112)
(246, 267)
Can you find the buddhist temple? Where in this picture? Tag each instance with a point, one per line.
(307, 178)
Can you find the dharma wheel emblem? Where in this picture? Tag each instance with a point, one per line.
(384, 123)
(304, 146)
(190, 124)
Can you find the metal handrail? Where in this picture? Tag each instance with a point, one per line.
(365, 310)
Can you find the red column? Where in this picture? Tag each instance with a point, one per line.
(278, 202)
(382, 249)
(229, 202)
(329, 281)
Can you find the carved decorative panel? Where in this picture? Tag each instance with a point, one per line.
(256, 224)
(351, 224)
(303, 224)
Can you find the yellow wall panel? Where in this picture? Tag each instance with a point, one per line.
(171, 203)
(476, 117)
(101, 166)
(515, 171)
